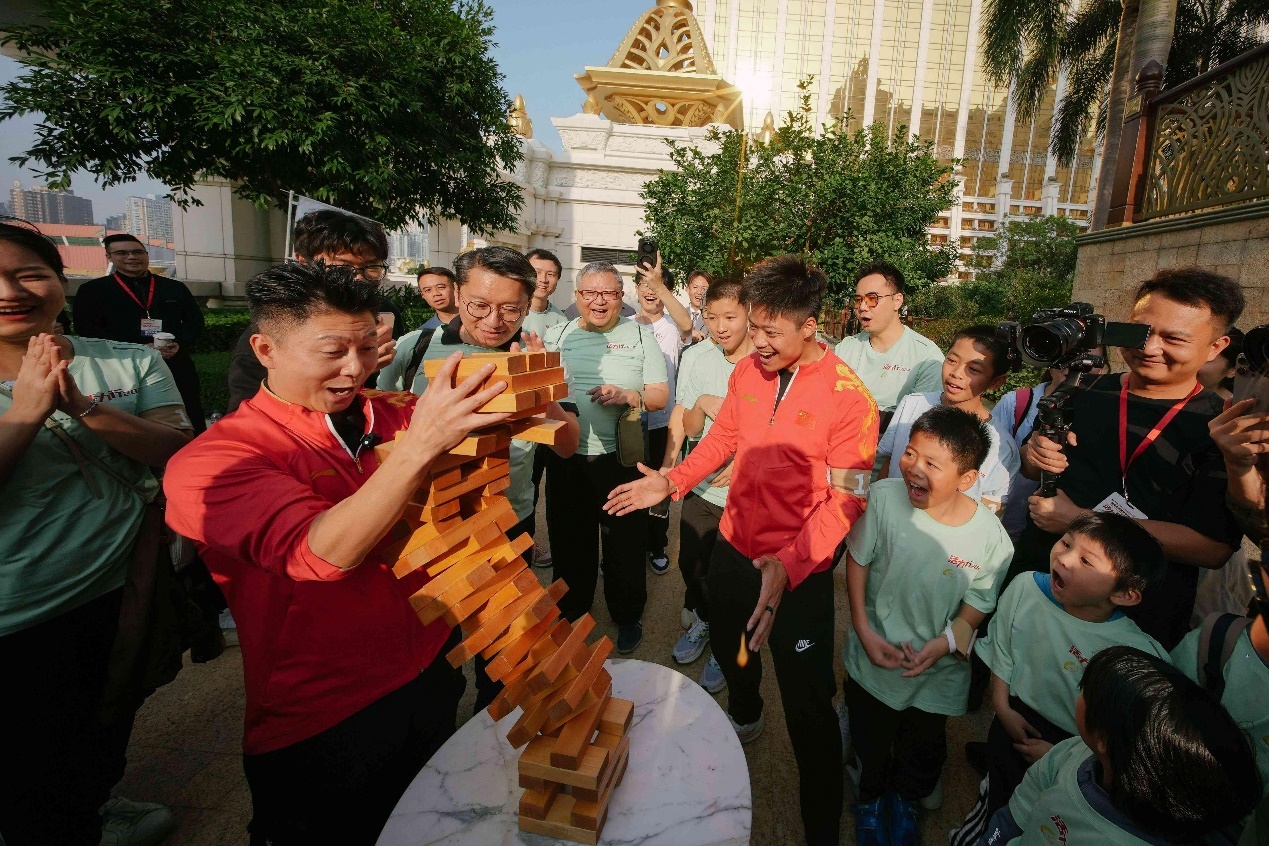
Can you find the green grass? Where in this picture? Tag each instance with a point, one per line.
(213, 376)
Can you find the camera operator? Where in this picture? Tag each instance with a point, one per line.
(1140, 446)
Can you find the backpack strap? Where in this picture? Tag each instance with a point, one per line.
(416, 357)
(1021, 405)
(1217, 639)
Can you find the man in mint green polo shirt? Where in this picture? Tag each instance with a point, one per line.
(891, 359)
(613, 364)
(542, 313)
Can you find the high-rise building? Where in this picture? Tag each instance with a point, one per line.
(150, 218)
(408, 244)
(41, 205)
(904, 62)
(117, 223)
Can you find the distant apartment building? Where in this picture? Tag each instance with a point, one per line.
(42, 205)
(408, 245)
(149, 218)
(117, 223)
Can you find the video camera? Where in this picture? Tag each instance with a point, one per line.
(1251, 370)
(1066, 338)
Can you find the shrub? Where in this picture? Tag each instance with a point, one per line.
(221, 328)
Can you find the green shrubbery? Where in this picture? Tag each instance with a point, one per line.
(221, 328)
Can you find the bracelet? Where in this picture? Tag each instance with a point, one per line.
(92, 404)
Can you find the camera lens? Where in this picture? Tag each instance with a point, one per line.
(1047, 342)
(1256, 348)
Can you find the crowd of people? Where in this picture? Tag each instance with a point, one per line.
(1123, 712)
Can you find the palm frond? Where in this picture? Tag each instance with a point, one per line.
(1013, 29)
(1087, 88)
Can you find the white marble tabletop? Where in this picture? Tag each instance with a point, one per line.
(687, 783)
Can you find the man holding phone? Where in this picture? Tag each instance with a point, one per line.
(1140, 446)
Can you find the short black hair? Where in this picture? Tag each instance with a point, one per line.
(985, 336)
(294, 291)
(1182, 767)
(328, 232)
(964, 435)
(1137, 557)
(437, 271)
(17, 231)
(726, 289)
(786, 286)
(1194, 286)
(881, 268)
(503, 261)
(704, 274)
(546, 255)
(109, 240)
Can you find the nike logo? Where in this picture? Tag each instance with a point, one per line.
(803, 645)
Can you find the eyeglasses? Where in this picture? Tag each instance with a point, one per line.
(602, 296)
(873, 300)
(479, 310)
(128, 253)
(369, 272)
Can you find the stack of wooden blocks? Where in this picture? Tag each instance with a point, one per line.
(575, 733)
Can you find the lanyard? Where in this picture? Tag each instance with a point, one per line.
(149, 300)
(1125, 460)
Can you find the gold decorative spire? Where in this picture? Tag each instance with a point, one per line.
(768, 129)
(518, 118)
(662, 75)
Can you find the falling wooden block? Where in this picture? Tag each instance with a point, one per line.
(538, 430)
(534, 803)
(492, 630)
(594, 666)
(418, 537)
(473, 481)
(529, 620)
(498, 551)
(454, 614)
(459, 554)
(420, 514)
(600, 689)
(441, 583)
(501, 515)
(515, 681)
(550, 669)
(524, 583)
(536, 710)
(531, 636)
(575, 735)
(535, 761)
(617, 716)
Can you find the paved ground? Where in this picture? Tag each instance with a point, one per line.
(185, 750)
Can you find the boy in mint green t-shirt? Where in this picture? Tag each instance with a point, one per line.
(1046, 628)
(1157, 760)
(923, 569)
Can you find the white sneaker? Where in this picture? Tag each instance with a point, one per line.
(692, 643)
(687, 618)
(128, 823)
(748, 732)
(712, 678)
(228, 628)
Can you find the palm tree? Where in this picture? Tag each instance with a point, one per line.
(1102, 45)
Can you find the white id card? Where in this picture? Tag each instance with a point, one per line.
(1116, 504)
(150, 326)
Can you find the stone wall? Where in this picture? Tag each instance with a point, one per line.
(1234, 242)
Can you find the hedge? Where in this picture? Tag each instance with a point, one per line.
(221, 328)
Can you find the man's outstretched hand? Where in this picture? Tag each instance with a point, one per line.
(644, 493)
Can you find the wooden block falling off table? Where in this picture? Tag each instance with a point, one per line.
(501, 515)
(462, 553)
(594, 665)
(475, 600)
(550, 669)
(537, 614)
(601, 688)
(494, 628)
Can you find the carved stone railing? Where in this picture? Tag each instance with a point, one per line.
(1208, 142)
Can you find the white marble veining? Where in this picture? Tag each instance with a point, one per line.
(687, 783)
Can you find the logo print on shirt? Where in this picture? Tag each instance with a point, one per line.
(1079, 656)
(962, 563)
(1052, 836)
(748, 398)
(320, 473)
(803, 645)
(805, 418)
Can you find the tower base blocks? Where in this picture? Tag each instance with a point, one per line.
(574, 733)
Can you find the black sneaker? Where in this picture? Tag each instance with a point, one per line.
(629, 637)
(660, 562)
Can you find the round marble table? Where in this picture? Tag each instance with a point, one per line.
(687, 783)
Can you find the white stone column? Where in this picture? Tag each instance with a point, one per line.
(825, 78)
(954, 216)
(874, 60)
(967, 78)
(1049, 196)
(1006, 135)
(1004, 190)
(923, 52)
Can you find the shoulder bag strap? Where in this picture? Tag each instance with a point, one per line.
(416, 357)
(1021, 405)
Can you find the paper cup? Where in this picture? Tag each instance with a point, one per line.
(163, 339)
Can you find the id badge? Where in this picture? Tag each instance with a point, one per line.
(150, 326)
(1117, 504)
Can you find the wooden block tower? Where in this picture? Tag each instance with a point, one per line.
(575, 734)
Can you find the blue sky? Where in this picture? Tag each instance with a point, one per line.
(539, 45)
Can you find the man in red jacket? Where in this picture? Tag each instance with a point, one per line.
(804, 432)
(348, 693)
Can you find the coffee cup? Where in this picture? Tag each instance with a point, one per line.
(163, 339)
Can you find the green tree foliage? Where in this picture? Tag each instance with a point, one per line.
(1027, 266)
(387, 109)
(842, 199)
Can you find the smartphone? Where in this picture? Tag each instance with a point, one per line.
(647, 252)
(1250, 381)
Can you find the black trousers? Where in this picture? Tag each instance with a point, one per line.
(801, 644)
(576, 490)
(340, 786)
(900, 752)
(58, 762)
(698, 533)
(1005, 769)
(658, 527)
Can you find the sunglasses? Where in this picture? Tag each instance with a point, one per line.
(873, 300)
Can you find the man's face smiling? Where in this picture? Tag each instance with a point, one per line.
(599, 299)
(1182, 339)
(696, 291)
(129, 258)
(779, 341)
(319, 364)
(728, 323)
(548, 276)
(486, 291)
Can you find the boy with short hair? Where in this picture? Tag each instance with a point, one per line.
(923, 567)
(1045, 630)
(702, 384)
(1158, 760)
